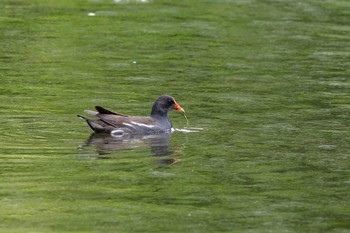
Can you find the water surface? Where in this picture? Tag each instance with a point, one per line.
(267, 81)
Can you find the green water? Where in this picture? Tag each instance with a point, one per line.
(268, 81)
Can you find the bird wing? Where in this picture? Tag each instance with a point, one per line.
(133, 122)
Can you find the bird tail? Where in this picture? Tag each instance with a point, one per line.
(82, 117)
(93, 124)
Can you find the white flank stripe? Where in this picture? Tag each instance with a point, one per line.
(141, 124)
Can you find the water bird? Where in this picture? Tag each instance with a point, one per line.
(119, 124)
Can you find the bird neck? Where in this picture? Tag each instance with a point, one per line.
(158, 113)
(157, 110)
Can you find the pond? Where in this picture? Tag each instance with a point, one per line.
(265, 86)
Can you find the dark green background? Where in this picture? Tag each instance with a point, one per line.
(268, 81)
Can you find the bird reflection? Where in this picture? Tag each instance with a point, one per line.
(159, 144)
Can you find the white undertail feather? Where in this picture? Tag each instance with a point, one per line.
(91, 112)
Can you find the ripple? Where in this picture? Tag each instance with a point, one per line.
(128, 1)
(189, 130)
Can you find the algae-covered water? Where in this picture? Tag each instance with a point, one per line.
(267, 81)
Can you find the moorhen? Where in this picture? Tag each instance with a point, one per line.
(120, 124)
